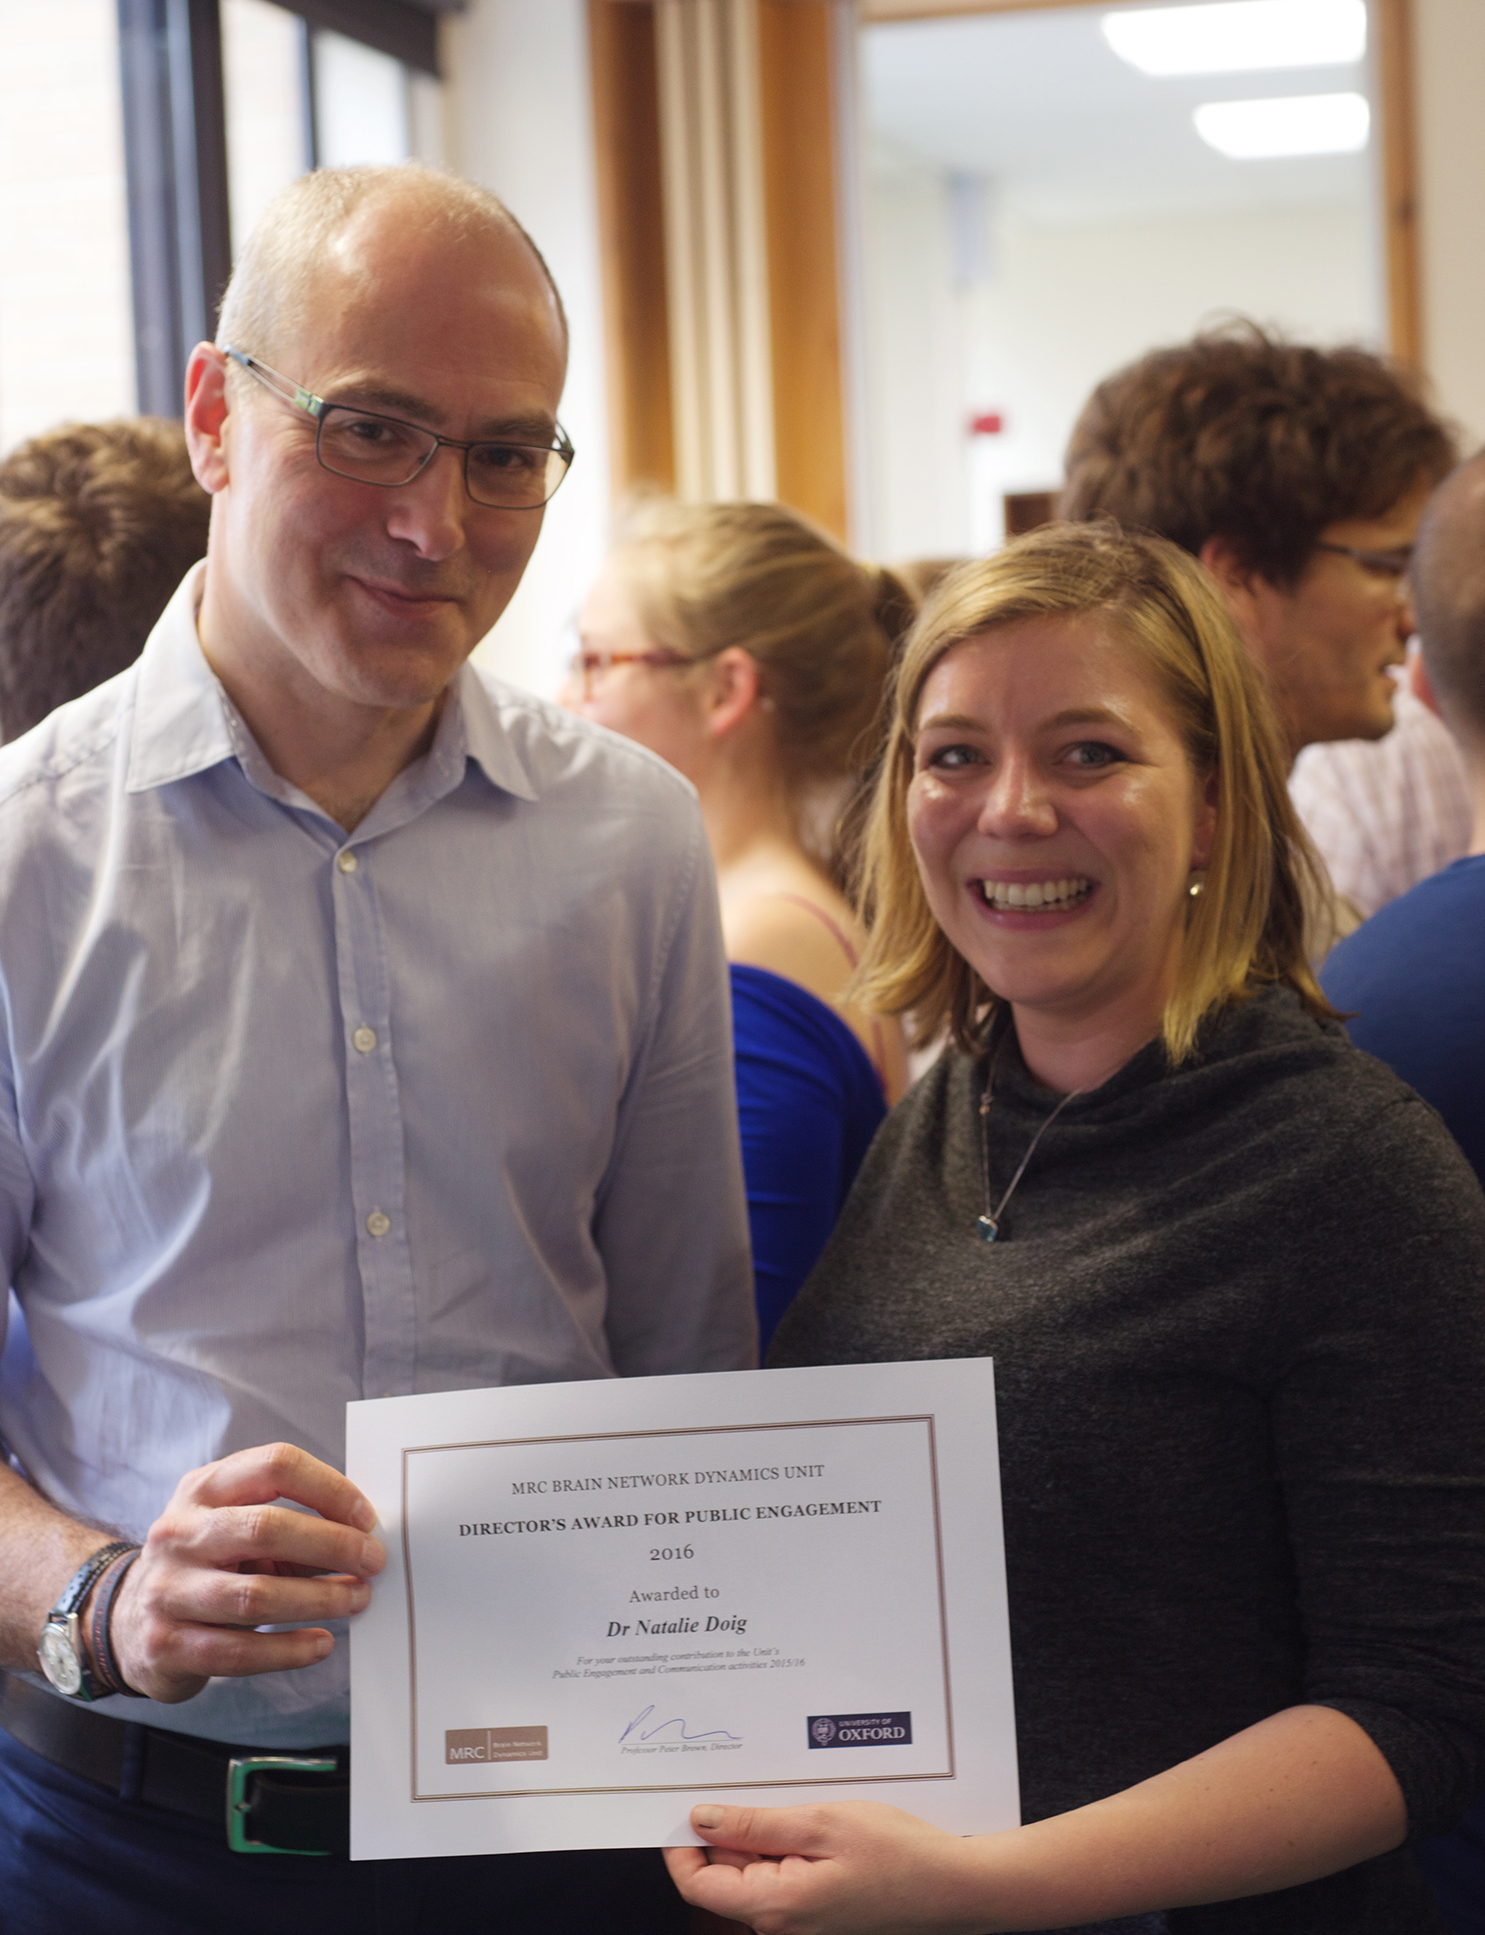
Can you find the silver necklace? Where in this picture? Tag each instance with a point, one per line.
(988, 1226)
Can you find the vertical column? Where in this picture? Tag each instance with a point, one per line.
(1392, 63)
(716, 257)
(801, 120)
(631, 220)
(175, 146)
(721, 198)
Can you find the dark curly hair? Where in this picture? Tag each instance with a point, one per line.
(99, 522)
(1242, 435)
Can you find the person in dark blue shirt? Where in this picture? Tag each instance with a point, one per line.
(745, 647)
(1413, 978)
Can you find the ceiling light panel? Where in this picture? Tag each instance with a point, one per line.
(1239, 36)
(1295, 124)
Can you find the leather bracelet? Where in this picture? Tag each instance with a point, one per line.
(105, 1667)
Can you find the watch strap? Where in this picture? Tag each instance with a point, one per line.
(65, 1614)
(81, 1582)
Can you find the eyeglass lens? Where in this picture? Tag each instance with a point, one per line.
(386, 451)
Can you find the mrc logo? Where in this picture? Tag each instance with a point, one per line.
(463, 1746)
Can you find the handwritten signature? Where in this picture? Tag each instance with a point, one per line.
(649, 1733)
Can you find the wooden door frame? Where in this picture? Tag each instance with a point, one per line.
(1391, 23)
(810, 427)
(801, 193)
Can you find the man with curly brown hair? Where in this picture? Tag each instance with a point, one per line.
(99, 522)
(1297, 475)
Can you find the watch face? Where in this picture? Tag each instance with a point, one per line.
(58, 1660)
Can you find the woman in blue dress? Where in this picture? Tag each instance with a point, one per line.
(749, 650)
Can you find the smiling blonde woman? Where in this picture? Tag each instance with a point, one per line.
(1228, 1269)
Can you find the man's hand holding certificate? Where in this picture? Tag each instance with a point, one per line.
(607, 1601)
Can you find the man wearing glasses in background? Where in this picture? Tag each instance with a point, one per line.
(363, 1030)
(1297, 475)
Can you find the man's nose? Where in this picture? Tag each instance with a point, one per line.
(1017, 803)
(430, 512)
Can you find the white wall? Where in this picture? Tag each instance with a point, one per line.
(1062, 307)
(1070, 305)
(519, 119)
(914, 391)
(1449, 73)
(66, 326)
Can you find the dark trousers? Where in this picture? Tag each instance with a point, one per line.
(74, 1858)
(1455, 1866)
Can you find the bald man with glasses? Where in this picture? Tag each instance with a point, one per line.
(363, 1030)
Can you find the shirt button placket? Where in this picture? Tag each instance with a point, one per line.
(375, 1118)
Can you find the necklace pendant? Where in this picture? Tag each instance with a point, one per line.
(988, 1229)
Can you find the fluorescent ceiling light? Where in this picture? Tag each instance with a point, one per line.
(1291, 124)
(1237, 36)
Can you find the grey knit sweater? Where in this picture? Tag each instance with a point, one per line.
(1237, 1314)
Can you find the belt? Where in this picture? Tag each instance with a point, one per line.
(272, 1802)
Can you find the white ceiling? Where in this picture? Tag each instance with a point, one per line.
(1067, 132)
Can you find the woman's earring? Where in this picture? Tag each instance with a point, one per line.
(1198, 881)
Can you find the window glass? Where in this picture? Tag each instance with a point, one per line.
(66, 326)
(361, 103)
(267, 115)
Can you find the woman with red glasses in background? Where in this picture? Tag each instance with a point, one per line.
(749, 650)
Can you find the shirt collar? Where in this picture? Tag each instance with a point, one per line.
(476, 714)
(184, 722)
(180, 721)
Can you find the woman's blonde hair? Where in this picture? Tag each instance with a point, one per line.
(821, 627)
(1248, 925)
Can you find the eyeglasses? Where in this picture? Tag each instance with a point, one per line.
(372, 449)
(587, 668)
(1388, 564)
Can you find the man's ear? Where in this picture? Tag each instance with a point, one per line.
(1419, 683)
(1237, 581)
(206, 415)
(732, 691)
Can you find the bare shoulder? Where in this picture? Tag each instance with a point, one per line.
(808, 933)
(801, 929)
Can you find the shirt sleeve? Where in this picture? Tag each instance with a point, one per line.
(671, 1223)
(1379, 1432)
(1385, 813)
(17, 1190)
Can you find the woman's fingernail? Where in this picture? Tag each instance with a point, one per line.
(706, 1817)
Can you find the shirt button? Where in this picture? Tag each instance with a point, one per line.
(365, 1039)
(377, 1223)
(346, 860)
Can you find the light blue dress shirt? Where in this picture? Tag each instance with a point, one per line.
(290, 1117)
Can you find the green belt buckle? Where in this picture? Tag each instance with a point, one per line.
(239, 1773)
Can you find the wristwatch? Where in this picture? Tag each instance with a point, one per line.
(61, 1653)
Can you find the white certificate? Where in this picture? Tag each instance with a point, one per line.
(607, 1601)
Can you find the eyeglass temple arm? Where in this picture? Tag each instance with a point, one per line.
(283, 386)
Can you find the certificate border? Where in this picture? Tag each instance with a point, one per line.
(927, 1418)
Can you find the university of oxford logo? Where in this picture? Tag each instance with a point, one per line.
(861, 1729)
